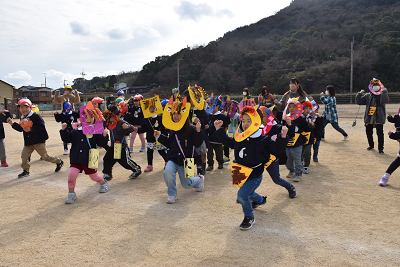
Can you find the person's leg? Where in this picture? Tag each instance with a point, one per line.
(150, 153)
(323, 128)
(335, 126)
(25, 155)
(368, 130)
(273, 171)
(307, 155)
(108, 162)
(316, 149)
(170, 177)
(3, 155)
(381, 138)
(247, 194)
(289, 161)
(72, 176)
(298, 165)
(210, 155)
(65, 146)
(163, 154)
(128, 163)
(219, 154)
(41, 150)
(392, 167)
(226, 151)
(132, 141)
(187, 182)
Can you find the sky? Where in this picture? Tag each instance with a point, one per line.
(59, 40)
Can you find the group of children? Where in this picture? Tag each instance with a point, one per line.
(186, 131)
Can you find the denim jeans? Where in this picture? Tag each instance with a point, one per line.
(247, 194)
(316, 148)
(293, 162)
(170, 178)
(273, 171)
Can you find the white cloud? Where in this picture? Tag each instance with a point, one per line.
(18, 76)
(79, 28)
(188, 10)
(84, 49)
(116, 34)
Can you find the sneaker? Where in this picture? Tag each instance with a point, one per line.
(247, 223)
(103, 187)
(297, 178)
(323, 139)
(107, 177)
(306, 170)
(172, 199)
(290, 175)
(383, 181)
(131, 149)
(70, 198)
(370, 148)
(256, 205)
(210, 168)
(65, 152)
(220, 166)
(142, 149)
(315, 159)
(226, 159)
(149, 168)
(59, 166)
(345, 138)
(201, 185)
(4, 164)
(135, 175)
(23, 174)
(292, 192)
(381, 151)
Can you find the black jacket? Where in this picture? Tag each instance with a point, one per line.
(300, 126)
(79, 153)
(119, 134)
(211, 130)
(254, 152)
(151, 124)
(396, 120)
(3, 118)
(319, 128)
(38, 133)
(131, 116)
(187, 143)
(67, 118)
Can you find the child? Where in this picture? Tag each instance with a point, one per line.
(231, 111)
(136, 118)
(119, 129)
(4, 115)
(79, 156)
(215, 144)
(35, 136)
(273, 129)
(97, 102)
(67, 116)
(395, 164)
(150, 125)
(295, 144)
(252, 150)
(181, 143)
(308, 134)
(317, 131)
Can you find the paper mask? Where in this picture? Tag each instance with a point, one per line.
(255, 124)
(197, 95)
(172, 107)
(151, 102)
(97, 127)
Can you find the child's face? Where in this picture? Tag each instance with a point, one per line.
(307, 110)
(24, 110)
(113, 120)
(90, 119)
(316, 111)
(152, 109)
(216, 109)
(136, 102)
(292, 108)
(246, 122)
(176, 117)
(95, 104)
(264, 120)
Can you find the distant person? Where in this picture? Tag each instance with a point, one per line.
(317, 131)
(136, 118)
(330, 113)
(4, 115)
(265, 98)
(35, 136)
(375, 111)
(246, 93)
(67, 116)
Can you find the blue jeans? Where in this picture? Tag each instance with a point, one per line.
(170, 178)
(293, 162)
(247, 194)
(316, 148)
(273, 171)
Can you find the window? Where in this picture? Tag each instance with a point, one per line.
(43, 93)
(16, 93)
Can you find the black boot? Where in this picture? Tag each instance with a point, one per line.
(203, 168)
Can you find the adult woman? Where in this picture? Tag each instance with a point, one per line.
(265, 98)
(330, 112)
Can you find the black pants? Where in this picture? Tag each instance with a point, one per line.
(335, 126)
(219, 154)
(125, 161)
(393, 166)
(379, 131)
(150, 153)
(226, 151)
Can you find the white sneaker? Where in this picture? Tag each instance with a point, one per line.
(70, 198)
(131, 149)
(322, 139)
(65, 152)
(297, 178)
(345, 138)
(201, 185)
(290, 175)
(306, 170)
(104, 187)
(171, 199)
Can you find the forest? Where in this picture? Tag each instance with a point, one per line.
(309, 39)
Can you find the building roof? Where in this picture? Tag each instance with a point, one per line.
(7, 83)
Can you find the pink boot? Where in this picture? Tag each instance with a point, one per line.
(149, 168)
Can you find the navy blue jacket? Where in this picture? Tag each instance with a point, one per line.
(211, 130)
(130, 116)
(67, 118)
(151, 124)
(3, 118)
(38, 133)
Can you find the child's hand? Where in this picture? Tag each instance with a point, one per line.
(317, 115)
(196, 120)
(156, 134)
(362, 91)
(390, 132)
(322, 94)
(105, 132)
(390, 115)
(207, 126)
(284, 131)
(9, 121)
(288, 121)
(312, 124)
(198, 126)
(4, 111)
(27, 129)
(64, 126)
(125, 126)
(218, 124)
(56, 113)
(310, 98)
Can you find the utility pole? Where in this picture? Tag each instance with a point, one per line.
(178, 71)
(64, 82)
(45, 85)
(351, 72)
(83, 80)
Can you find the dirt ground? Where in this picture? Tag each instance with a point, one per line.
(341, 216)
